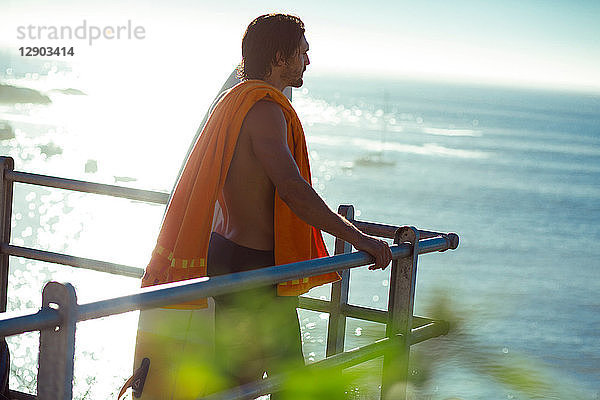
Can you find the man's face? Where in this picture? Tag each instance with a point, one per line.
(294, 67)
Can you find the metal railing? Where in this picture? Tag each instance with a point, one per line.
(60, 308)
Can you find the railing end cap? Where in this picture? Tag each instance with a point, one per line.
(453, 240)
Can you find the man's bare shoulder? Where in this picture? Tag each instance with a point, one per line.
(265, 118)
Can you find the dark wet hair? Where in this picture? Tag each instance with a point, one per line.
(264, 38)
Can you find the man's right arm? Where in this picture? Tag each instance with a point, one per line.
(267, 128)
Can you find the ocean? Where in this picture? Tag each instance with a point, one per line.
(515, 172)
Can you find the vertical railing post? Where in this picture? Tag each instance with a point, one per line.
(57, 345)
(6, 200)
(336, 330)
(400, 315)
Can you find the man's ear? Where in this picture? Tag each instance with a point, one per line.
(279, 60)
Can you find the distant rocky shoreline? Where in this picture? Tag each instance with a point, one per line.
(14, 94)
(10, 94)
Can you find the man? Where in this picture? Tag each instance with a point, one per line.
(263, 163)
(244, 201)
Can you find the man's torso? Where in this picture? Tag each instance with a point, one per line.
(249, 197)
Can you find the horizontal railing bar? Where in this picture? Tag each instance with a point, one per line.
(370, 314)
(434, 329)
(388, 231)
(184, 291)
(358, 312)
(310, 303)
(15, 395)
(357, 355)
(348, 310)
(14, 325)
(353, 311)
(375, 315)
(78, 262)
(88, 187)
(419, 322)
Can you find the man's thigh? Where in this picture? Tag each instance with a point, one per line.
(257, 331)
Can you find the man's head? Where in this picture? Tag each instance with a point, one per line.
(275, 43)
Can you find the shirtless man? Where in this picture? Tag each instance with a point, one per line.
(248, 343)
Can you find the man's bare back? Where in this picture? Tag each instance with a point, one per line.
(249, 193)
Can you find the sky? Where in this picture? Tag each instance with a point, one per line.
(551, 44)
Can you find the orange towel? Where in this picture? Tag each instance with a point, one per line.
(182, 244)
